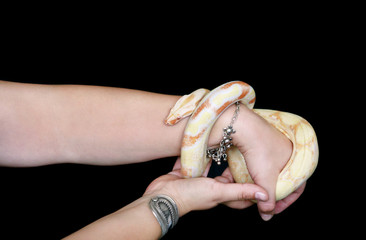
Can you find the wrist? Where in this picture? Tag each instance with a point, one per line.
(224, 121)
(165, 211)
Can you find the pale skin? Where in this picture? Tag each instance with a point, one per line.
(48, 124)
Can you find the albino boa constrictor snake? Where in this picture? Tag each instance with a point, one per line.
(205, 107)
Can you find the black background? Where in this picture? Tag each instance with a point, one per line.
(296, 68)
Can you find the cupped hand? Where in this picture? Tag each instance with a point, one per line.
(266, 151)
(205, 193)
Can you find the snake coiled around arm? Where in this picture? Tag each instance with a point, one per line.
(204, 107)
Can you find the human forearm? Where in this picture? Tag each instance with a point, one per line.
(134, 221)
(44, 124)
(85, 124)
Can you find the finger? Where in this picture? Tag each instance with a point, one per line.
(177, 173)
(168, 177)
(225, 192)
(227, 177)
(205, 173)
(227, 174)
(222, 179)
(268, 182)
(177, 165)
(239, 204)
(176, 169)
(287, 201)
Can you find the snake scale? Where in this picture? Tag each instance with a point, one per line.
(204, 107)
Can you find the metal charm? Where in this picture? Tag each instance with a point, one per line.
(219, 154)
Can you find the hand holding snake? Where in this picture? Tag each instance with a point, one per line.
(266, 152)
(280, 169)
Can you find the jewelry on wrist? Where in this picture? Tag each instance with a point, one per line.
(218, 154)
(165, 211)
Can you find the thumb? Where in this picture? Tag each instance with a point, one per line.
(266, 207)
(229, 192)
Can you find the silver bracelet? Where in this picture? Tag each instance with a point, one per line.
(165, 211)
(218, 154)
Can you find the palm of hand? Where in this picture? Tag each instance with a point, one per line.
(266, 152)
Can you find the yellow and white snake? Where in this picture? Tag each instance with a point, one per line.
(206, 106)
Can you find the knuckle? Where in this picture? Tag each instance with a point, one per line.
(242, 195)
(215, 189)
(267, 206)
(245, 193)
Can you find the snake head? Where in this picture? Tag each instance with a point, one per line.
(185, 106)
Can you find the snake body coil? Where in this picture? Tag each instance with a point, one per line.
(205, 112)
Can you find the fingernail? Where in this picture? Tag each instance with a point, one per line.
(266, 217)
(260, 196)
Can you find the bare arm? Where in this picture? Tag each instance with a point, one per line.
(45, 124)
(136, 220)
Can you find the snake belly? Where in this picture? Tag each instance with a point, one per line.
(204, 114)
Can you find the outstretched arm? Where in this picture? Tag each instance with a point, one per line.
(46, 124)
(136, 220)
